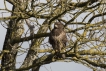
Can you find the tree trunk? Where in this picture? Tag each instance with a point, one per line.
(14, 31)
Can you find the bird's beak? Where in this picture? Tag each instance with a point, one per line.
(56, 26)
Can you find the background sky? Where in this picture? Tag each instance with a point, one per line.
(55, 66)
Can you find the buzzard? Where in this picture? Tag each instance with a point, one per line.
(58, 38)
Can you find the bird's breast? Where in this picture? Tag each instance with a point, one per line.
(59, 36)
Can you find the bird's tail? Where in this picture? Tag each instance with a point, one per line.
(59, 55)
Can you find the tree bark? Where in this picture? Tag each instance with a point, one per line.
(14, 31)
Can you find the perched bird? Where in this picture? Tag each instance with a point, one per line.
(58, 39)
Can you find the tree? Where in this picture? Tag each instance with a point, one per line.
(86, 37)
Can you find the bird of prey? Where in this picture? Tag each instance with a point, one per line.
(58, 38)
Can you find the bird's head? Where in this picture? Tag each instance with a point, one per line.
(58, 25)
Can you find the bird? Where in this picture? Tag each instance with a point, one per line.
(58, 38)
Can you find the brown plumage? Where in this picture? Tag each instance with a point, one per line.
(58, 38)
